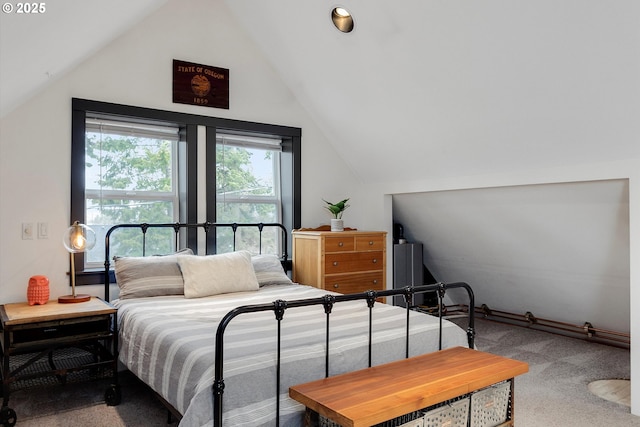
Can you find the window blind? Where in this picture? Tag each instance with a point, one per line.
(140, 130)
(250, 141)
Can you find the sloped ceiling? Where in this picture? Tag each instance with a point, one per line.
(459, 88)
(36, 48)
(443, 88)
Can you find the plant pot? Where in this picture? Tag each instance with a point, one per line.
(337, 225)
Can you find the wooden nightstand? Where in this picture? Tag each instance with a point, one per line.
(344, 261)
(32, 334)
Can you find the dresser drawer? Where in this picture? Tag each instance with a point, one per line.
(353, 262)
(338, 244)
(354, 282)
(370, 243)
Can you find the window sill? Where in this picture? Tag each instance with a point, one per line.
(93, 277)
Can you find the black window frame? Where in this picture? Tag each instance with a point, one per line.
(290, 166)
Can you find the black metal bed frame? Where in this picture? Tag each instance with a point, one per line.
(279, 308)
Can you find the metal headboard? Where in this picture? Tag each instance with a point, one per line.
(178, 227)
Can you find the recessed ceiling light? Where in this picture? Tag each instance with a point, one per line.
(342, 19)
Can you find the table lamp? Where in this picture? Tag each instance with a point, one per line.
(78, 238)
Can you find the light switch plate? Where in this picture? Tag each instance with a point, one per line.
(27, 230)
(43, 230)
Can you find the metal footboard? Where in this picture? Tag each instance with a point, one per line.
(279, 308)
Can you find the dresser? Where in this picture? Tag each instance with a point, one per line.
(344, 261)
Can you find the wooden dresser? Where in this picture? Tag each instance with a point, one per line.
(344, 261)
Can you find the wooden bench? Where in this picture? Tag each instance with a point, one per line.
(382, 393)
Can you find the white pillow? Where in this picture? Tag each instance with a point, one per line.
(217, 274)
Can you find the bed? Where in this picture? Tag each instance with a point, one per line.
(229, 358)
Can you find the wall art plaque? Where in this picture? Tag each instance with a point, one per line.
(198, 84)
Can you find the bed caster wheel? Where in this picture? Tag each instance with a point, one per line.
(8, 417)
(113, 396)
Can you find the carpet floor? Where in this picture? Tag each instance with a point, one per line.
(82, 405)
(553, 393)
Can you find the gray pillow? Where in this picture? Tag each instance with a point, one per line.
(150, 276)
(269, 270)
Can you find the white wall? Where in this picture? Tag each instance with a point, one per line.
(627, 170)
(560, 251)
(35, 139)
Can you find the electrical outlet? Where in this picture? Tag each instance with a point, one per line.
(27, 230)
(43, 230)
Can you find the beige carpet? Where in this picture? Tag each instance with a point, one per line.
(82, 405)
(555, 392)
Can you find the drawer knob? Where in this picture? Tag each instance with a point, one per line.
(335, 263)
(375, 281)
(336, 286)
(370, 242)
(375, 261)
(341, 244)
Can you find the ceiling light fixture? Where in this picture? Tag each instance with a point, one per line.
(342, 19)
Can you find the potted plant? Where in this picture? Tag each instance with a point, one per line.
(336, 209)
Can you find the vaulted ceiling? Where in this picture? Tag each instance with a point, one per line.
(460, 88)
(443, 88)
(37, 48)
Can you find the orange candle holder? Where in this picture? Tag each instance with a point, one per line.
(38, 290)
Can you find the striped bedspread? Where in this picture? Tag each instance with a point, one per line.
(168, 342)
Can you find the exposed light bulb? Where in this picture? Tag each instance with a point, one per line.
(79, 241)
(79, 238)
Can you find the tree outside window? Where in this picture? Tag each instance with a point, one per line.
(130, 177)
(248, 190)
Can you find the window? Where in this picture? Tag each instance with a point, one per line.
(131, 176)
(248, 188)
(133, 165)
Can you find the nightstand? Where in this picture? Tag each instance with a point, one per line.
(33, 337)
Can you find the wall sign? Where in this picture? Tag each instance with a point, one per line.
(198, 84)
